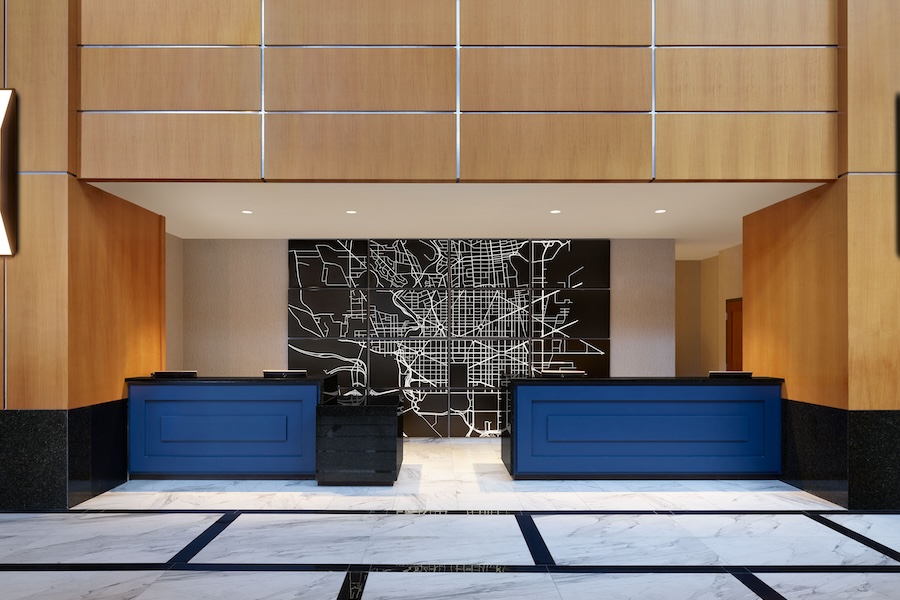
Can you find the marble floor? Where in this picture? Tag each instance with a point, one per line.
(455, 525)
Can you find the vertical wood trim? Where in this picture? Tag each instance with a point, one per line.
(874, 292)
(37, 297)
(162, 292)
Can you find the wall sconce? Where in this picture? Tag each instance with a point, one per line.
(9, 172)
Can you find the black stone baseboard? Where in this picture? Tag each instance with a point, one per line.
(98, 449)
(874, 459)
(814, 450)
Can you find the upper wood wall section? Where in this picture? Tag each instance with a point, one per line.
(795, 319)
(746, 22)
(874, 292)
(209, 22)
(871, 59)
(556, 79)
(38, 39)
(555, 22)
(170, 79)
(360, 22)
(117, 308)
(360, 79)
(746, 79)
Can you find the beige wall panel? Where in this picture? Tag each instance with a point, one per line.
(556, 79)
(361, 79)
(226, 22)
(411, 147)
(361, 22)
(117, 307)
(687, 319)
(795, 295)
(730, 287)
(37, 297)
(746, 79)
(170, 146)
(746, 22)
(873, 81)
(562, 147)
(174, 303)
(874, 293)
(235, 306)
(642, 308)
(37, 44)
(170, 79)
(555, 22)
(710, 315)
(746, 146)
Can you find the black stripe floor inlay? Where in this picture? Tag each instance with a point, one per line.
(756, 585)
(536, 545)
(202, 540)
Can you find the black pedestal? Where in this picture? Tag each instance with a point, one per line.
(358, 444)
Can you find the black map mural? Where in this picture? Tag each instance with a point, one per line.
(442, 323)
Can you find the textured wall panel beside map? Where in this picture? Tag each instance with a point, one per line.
(443, 322)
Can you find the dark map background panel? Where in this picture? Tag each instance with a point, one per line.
(443, 323)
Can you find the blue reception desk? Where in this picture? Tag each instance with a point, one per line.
(619, 428)
(235, 427)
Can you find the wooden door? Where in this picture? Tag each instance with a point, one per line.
(734, 339)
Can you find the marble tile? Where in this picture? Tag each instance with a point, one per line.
(84, 585)
(651, 586)
(551, 501)
(447, 539)
(615, 501)
(242, 585)
(102, 538)
(755, 540)
(291, 539)
(464, 586)
(621, 540)
(884, 529)
(834, 586)
(489, 501)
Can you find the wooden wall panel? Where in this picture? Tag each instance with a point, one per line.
(37, 40)
(170, 146)
(555, 22)
(225, 22)
(795, 295)
(361, 79)
(874, 293)
(360, 22)
(563, 147)
(746, 146)
(117, 308)
(872, 82)
(37, 299)
(410, 147)
(746, 22)
(555, 79)
(170, 79)
(746, 79)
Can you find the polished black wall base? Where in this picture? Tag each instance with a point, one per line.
(98, 442)
(814, 449)
(33, 455)
(54, 459)
(851, 458)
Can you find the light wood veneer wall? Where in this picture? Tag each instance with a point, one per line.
(510, 90)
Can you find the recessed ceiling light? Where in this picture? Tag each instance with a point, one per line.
(555, 212)
(247, 212)
(660, 211)
(351, 212)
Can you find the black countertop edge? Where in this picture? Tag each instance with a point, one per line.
(635, 381)
(312, 379)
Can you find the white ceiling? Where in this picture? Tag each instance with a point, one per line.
(702, 218)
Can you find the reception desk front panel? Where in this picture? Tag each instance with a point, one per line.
(235, 427)
(654, 427)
